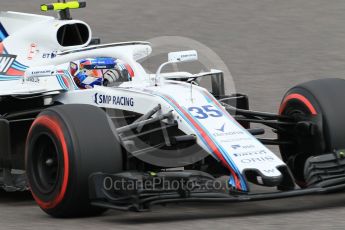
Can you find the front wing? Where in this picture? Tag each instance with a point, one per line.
(183, 186)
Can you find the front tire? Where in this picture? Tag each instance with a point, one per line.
(319, 108)
(66, 144)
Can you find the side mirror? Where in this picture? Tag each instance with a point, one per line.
(183, 56)
(175, 57)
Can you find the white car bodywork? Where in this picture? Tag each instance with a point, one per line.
(43, 70)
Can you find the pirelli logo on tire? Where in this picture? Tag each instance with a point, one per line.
(6, 61)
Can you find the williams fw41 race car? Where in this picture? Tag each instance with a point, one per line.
(86, 128)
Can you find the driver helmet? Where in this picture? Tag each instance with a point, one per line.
(100, 71)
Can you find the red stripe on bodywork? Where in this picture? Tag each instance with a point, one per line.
(220, 107)
(66, 81)
(14, 72)
(130, 70)
(224, 112)
(1, 48)
(208, 140)
(301, 98)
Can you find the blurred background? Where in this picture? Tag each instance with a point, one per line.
(268, 46)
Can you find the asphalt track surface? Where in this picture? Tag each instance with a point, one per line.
(269, 46)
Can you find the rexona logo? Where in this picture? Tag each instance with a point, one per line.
(242, 146)
(6, 61)
(113, 100)
(235, 146)
(231, 133)
(222, 132)
(221, 128)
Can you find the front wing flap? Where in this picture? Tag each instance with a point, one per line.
(134, 191)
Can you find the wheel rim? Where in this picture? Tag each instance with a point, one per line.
(46, 164)
(295, 156)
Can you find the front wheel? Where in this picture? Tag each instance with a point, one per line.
(319, 108)
(65, 144)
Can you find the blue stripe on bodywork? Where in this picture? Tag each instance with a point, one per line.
(4, 78)
(224, 153)
(19, 66)
(3, 32)
(61, 82)
(67, 73)
(230, 162)
(16, 65)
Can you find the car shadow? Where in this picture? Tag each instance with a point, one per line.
(15, 197)
(184, 212)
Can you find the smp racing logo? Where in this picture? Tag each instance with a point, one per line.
(113, 100)
(6, 61)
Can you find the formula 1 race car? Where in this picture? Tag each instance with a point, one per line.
(86, 128)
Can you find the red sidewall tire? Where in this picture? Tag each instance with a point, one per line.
(299, 97)
(51, 124)
(301, 102)
(319, 102)
(65, 145)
